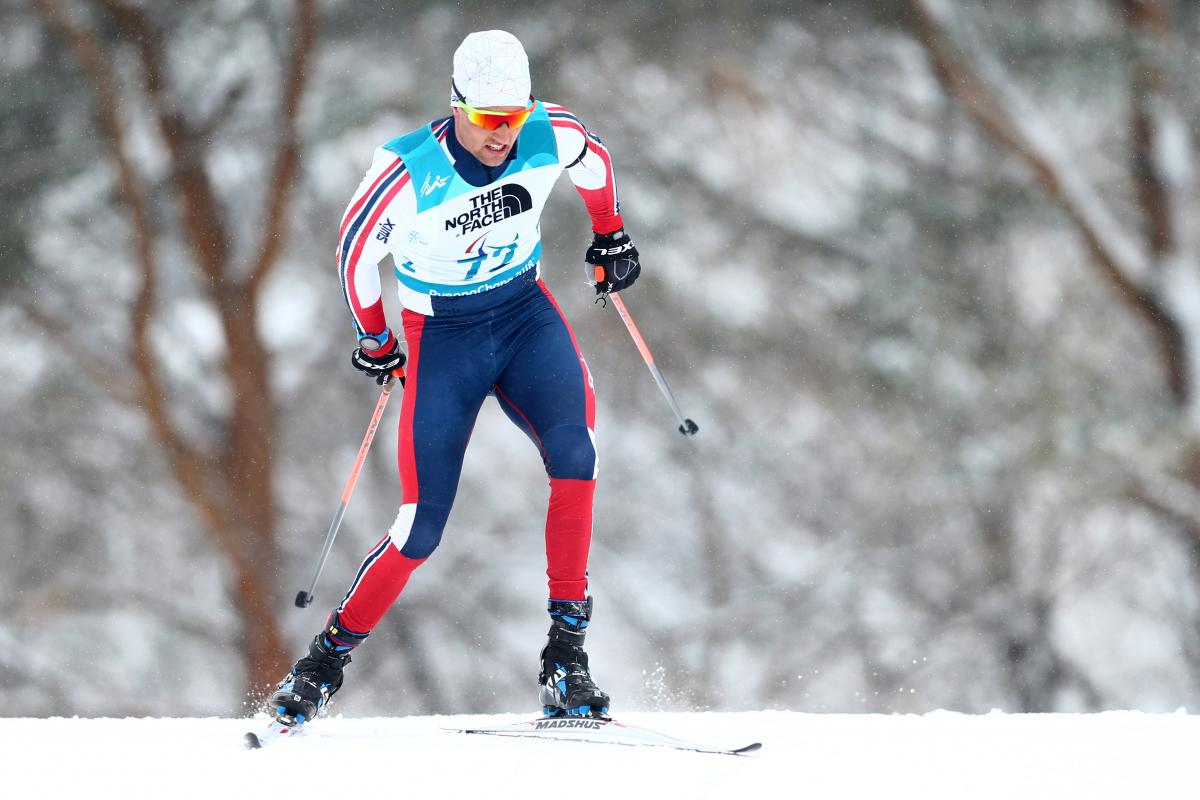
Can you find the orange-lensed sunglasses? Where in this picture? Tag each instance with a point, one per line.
(493, 119)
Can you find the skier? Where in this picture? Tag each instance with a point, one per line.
(453, 209)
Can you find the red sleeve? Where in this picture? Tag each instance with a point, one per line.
(589, 164)
(359, 250)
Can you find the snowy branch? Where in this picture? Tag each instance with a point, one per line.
(150, 392)
(82, 357)
(979, 83)
(206, 230)
(282, 182)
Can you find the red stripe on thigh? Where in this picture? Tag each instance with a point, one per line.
(406, 456)
(589, 387)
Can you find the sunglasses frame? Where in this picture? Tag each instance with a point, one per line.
(509, 117)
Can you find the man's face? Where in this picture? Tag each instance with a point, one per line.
(490, 147)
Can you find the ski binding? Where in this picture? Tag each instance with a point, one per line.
(277, 729)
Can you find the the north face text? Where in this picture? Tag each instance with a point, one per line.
(489, 208)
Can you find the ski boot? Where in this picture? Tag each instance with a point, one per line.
(315, 678)
(567, 689)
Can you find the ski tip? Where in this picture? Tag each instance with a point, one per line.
(750, 748)
(252, 741)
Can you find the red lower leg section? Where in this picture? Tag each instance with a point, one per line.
(569, 537)
(380, 581)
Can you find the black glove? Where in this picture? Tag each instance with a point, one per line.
(614, 262)
(380, 365)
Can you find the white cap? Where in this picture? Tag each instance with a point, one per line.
(491, 69)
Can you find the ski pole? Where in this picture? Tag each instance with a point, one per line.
(304, 599)
(686, 426)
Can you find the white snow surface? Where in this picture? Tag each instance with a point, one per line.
(1117, 754)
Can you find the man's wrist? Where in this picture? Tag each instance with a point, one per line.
(608, 226)
(374, 344)
(610, 236)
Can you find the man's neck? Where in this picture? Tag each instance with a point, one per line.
(470, 168)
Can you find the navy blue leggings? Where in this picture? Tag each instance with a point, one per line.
(512, 342)
(523, 351)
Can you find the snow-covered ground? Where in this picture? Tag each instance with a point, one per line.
(938, 755)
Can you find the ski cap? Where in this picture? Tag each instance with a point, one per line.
(491, 69)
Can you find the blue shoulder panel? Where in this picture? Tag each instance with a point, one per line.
(537, 146)
(433, 176)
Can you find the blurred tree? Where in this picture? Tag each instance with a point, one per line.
(1135, 224)
(228, 478)
(31, 119)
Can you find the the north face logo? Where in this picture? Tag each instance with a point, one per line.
(491, 207)
(515, 199)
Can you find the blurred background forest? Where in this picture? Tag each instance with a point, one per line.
(926, 274)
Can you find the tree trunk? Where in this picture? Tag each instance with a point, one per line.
(233, 491)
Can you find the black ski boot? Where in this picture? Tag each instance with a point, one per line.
(567, 687)
(315, 678)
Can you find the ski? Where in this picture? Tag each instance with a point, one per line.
(273, 732)
(601, 731)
